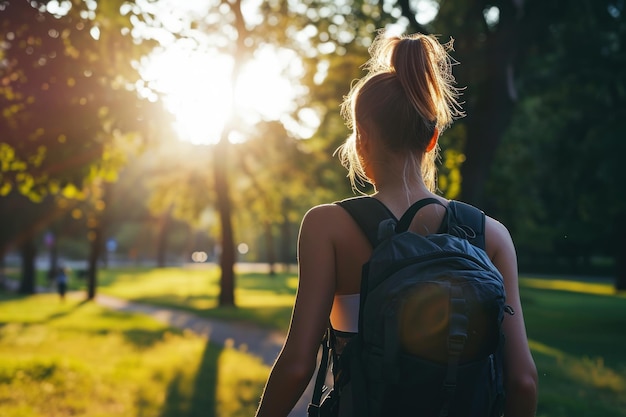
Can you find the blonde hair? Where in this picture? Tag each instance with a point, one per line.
(407, 93)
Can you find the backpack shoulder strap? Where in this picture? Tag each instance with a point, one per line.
(367, 212)
(468, 216)
(407, 217)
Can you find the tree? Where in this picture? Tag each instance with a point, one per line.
(277, 185)
(52, 68)
(566, 139)
(22, 223)
(180, 185)
(224, 29)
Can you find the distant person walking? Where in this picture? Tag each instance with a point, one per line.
(61, 281)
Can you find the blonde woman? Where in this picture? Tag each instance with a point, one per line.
(397, 113)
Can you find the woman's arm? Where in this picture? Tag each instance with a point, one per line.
(520, 370)
(297, 360)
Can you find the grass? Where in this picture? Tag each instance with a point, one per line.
(261, 299)
(575, 328)
(78, 359)
(576, 332)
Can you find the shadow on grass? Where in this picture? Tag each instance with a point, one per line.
(64, 313)
(199, 399)
(139, 337)
(142, 338)
(67, 307)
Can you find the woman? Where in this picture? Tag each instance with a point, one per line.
(396, 114)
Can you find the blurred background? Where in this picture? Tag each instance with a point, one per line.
(149, 131)
(155, 134)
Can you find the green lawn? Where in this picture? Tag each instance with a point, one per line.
(577, 334)
(576, 328)
(262, 299)
(78, 359)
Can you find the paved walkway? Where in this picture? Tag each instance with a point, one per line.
(263, 343)
(260, 342)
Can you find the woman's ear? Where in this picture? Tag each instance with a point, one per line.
(433, 140)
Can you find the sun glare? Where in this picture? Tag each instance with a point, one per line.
(196, 89)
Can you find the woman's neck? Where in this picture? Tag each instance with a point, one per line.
(397, 179)
(398, 195)
(397, 175)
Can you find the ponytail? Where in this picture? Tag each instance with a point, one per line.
(424, 69)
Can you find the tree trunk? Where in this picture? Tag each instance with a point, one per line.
(222, 187)
(92, 267)
(285, 234)
(269, 243)
(493, 97)
(484, 134)
(104, 220)
(53, 264)
(224, 207)
(28, 251)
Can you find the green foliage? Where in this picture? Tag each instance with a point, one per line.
(558, 178)
(68, 114)
(449, 179)
(79, 359)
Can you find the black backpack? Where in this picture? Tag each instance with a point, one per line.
(430, 342)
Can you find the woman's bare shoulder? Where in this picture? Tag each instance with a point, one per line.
(495, 229)
(328, 221)
(498, 238)
(324, 214)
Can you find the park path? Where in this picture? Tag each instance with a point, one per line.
(263, 343)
